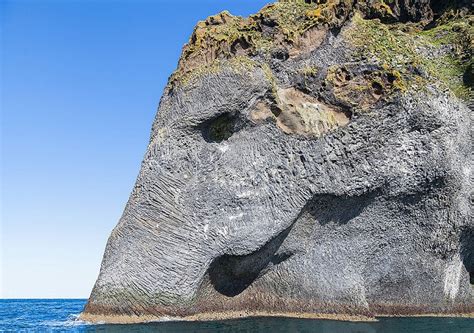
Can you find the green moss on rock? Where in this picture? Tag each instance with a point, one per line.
(415, 57)
(224, 36)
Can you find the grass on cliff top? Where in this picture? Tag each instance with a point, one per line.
(290, 17)
(417, 57)
(294, 17)
(452, 68)
(238, 65)
(414, 57)
(219, 35)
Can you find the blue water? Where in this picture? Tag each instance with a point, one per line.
(59, 315)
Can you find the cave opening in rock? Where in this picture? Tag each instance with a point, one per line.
(221, 128)
(230, 275)
(377, 88)
(241, 44)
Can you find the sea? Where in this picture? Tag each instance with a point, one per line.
(60, 315)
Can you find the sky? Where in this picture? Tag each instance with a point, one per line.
(80, 84)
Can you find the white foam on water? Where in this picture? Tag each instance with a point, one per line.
(166, 319)
(71, 321)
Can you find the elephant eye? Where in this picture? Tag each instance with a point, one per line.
(221, 127)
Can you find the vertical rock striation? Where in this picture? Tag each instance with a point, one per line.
(312, 159)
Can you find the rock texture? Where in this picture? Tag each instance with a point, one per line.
(314, 158)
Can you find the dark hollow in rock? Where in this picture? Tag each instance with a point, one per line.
(280, 54)
(239, 46)
(378, 89)
(221, 127)
(328, 208)
(468, 77)
(230, 275)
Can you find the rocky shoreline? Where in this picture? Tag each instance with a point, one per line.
(120, 319)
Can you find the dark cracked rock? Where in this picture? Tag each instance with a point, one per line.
(312, 159)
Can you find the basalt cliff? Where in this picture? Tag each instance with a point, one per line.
(313, 159)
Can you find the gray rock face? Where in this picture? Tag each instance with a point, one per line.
(273, 184)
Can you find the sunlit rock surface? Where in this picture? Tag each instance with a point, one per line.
(311, 159)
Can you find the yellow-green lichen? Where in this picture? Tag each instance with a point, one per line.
(406, 55)
(271, 80)
(186, 78)
(362, 90)
(457, 35)
(293, 17)
(224, 36)
(238, 64)
(309, 71)
(221, 36)
(380, 9)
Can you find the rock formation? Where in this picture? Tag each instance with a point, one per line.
(313, 159)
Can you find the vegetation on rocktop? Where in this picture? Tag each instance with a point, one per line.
(443, 52)
(455, 67)
(294, 17)
(222, 36)
(408, 52)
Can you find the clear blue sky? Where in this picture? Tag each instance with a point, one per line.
(80, 84)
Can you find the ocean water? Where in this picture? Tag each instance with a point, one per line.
(60, 315)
